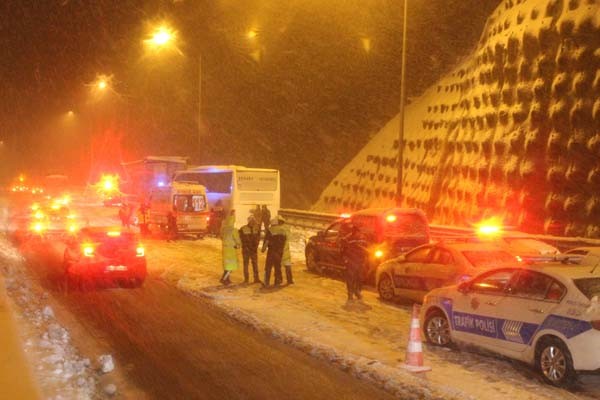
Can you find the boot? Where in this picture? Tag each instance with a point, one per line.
(288, 275)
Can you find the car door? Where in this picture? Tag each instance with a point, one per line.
(407, 282)
(531, 297)
(475, 308)
(438, 270)
(329, 246)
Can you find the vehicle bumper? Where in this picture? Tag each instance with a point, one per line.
(110, 269)
(585, 351)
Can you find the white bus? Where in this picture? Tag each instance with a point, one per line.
(236, 187)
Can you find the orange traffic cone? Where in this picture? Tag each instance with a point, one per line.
(414, 351)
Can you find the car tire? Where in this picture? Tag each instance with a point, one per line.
(385, 288)
(311, 261)
(437, 329)
(553, 360)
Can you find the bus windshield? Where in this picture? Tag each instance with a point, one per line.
(215, 182)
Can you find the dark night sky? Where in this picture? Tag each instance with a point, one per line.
(304, 83)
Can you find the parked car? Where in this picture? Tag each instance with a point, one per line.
(430, 266)
(590, 255)
(546, 314)
(389, 232)
(104, 253)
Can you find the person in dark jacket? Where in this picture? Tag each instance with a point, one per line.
(172, 231)
(274, 242)
(265, 216)
(355, 256)
(250, 236)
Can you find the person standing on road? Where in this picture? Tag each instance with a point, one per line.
(230, 241)
(125, 215)
(172, 231)
(355, 256)
(265, 216)
(274, 242)
(257, 214)
(250, 236)
(286, 259)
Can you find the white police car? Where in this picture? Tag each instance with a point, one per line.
(547, 315)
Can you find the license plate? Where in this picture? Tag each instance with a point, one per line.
(112, 268)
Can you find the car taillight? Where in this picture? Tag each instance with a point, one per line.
(113, 233)
(140, 251)
(595, 324)
(88, 251)
(208, 218)
(378, 253)
(391, 218)
(519, 258)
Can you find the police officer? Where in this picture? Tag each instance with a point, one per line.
(265, 216)
(355, 256)
(286, 258)
(250, 236)
(274, 242)
(230, 241)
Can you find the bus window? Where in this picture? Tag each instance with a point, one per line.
(198, 203)
(189, 203)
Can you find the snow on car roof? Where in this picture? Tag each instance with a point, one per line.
(474, 246)
(379, 211)
(572, 271)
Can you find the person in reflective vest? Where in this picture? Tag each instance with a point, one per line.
(274, 242)
(286, 259)
(230, 241)
(250, 236)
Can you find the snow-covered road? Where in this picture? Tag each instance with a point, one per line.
(366, 340)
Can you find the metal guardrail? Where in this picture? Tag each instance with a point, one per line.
(318, 221)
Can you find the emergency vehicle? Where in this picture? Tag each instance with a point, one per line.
(546, 314)
(188, 202)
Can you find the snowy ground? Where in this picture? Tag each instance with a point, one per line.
(60, 370)
(367, 340)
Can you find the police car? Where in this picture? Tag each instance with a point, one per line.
(547, 315)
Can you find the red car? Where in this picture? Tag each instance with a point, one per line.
(100, 254)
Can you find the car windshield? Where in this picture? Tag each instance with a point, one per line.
(488, 258)
(590, 287)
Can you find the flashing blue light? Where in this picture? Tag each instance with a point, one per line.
(161, 184)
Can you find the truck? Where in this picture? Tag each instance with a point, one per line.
(186, 200)
(142, 176)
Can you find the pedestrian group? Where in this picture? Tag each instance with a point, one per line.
(276, 244)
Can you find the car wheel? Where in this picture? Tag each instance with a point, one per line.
(437, 329)
(554, 361)
(311, 261)
(385, 287)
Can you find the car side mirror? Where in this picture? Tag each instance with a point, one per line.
(464, 287)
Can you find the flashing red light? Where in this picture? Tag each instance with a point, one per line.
(378, 253)
(489, 227)
(391, 218)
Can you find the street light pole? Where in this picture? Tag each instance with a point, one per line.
(199, 101)
(399, 180)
